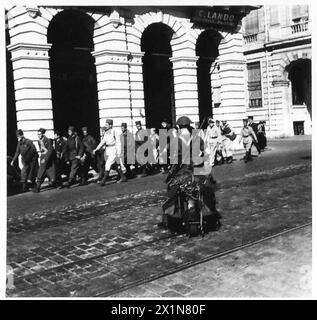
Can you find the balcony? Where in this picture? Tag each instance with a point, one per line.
(250, 38)
(277, 34)
(300, 27)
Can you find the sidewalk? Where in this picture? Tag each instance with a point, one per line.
(307, 137)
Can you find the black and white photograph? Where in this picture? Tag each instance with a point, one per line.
(158, 150)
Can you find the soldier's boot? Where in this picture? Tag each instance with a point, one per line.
(229, 159)
(83, 181)
(37, 187)
(123, 178)
(246, 157)
(101, 175)
(250, 156)
(104, 179)
(24, 187)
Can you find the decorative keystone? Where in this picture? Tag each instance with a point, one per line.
(33, 11)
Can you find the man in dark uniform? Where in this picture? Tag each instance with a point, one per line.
(74, 150)
(88, 158)
(47, 160)
(140, 138)
(262, 135)
(60, 163)
(127, 142)
(254, 126)
(165, 145)
(28, 152)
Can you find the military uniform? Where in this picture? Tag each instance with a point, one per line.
(226, 142)
(127, 141)
(254, 127)
(47, 162)
(247, 136)
(140, 138)
(28, 152)
(261, 135)
(211, 143)
(74, 150)
(60, 163)
(89, 158)
(112, 152)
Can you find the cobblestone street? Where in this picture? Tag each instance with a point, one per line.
(92, 241)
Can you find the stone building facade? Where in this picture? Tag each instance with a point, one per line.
(81, 65)
(278, 52)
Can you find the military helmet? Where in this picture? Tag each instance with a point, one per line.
(183, 121)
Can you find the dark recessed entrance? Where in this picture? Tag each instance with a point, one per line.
(11, 108)
(158, 75)
(300, 77)
(73, 73)
(207, 51)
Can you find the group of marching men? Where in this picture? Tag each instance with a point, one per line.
(74, 156)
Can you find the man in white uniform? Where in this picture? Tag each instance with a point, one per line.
(112, 153)
(211, 141)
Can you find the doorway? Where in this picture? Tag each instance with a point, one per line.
(299, 73)
(158, 75)
(206, 51)
(73, 73)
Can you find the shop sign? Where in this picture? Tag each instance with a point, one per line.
(218, 18)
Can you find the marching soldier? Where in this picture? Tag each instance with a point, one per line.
(28, 152)
(100, 158)
(211, 141)
(88, 159)
(262, 135)
(248, 136)
(112, 153)
(47, 160)
(127, 142)
(60, 164)
(254, 127)
(140, 138)
(74, 150)
(226, 141)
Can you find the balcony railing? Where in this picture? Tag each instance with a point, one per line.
(300, 27)
(250, 38)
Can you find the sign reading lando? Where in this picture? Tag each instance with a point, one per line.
(216, 17)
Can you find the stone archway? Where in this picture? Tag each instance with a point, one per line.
(299, 73)
(158, 75)
(73, 73)
(207, 50)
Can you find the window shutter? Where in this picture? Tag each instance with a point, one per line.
(274, 15)
(252, 23)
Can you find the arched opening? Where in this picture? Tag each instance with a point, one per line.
(207, 51)
(11, 107)
(299, 73)
(158, 75)
(73, 73)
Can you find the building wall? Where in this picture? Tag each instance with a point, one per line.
(118, 59)
(284, 43)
